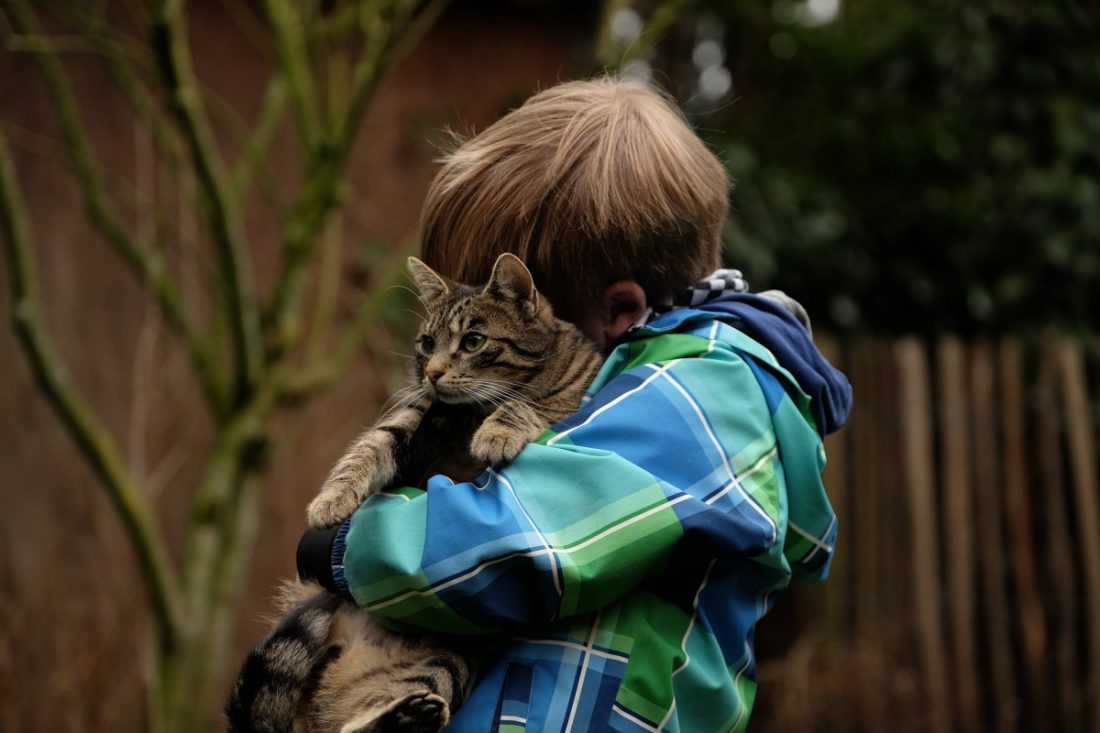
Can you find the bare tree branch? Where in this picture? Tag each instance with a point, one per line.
(174, 58)
(119, 190)
(322, 372)
(131, 86)
(123, 57)
(328, 288)
(193, 601)
(290, 46)
(660, 20)
(245, 16)
(385, 43)
(414, 26)
(141, 256)
(93, 439)
(663, 17)
(606, 49)
(115, 46)
(256, 145)
(385, 47)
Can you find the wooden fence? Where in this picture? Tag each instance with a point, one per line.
(965, 594)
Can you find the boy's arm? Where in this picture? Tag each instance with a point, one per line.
(681, 454)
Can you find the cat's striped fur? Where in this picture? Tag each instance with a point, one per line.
(494, 368)
(277, 673)
(327, 668)
(497, 351)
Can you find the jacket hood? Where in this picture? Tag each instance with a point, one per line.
(777, 329)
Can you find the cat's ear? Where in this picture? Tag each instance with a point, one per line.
(512, 280)
(430, 283)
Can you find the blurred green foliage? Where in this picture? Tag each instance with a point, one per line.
(915, 165)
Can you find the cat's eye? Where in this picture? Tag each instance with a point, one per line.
(471, 342)
(427, 344)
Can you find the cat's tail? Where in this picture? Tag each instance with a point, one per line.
(283, 669)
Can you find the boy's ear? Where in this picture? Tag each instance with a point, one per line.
(512, 280)
(621, 306)
(430, 283)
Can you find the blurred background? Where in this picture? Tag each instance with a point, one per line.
(206, 207)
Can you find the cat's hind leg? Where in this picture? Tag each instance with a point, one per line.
(277, 673)
(418, 713)
(385, 682)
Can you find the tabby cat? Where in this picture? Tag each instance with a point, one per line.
(493, 369)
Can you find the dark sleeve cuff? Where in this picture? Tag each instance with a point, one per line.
(321, 557)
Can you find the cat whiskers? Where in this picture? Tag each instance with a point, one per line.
(497, 392)
(507, 389)
(416, 295)
(477, 392)
(402, 398)
(484, 395)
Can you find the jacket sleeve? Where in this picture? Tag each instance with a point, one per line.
(680, 455)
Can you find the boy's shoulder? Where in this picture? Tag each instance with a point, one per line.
(685, 333)
(741, 327)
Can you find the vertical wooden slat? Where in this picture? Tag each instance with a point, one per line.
(918, 461)
(867, 540)
(835, 599)
(1061, 559)
(959, 529)
(1017, 455)
(895, 568)
(1082, 453)
(1001, 481)
(991, 540)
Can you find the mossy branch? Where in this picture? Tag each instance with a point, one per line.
(169, 39)
(256, 145)
(329, 276)
(391, 45)
(140, 99)
(93, 439)
(290, 48)
(145, 259)
(122, 57)
(192, 602)
(606, 50)
(385, 42)
(660, 20)
(325, 370)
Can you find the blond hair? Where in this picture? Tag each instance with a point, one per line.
(589, 182)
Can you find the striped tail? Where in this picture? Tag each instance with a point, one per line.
(283, 668)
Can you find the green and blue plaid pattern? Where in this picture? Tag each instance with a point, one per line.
(625, 556)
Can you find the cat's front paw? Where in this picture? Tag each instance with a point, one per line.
(333, 505)
(495, 443)
(367, 468)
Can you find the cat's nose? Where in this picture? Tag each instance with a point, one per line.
(433, 375)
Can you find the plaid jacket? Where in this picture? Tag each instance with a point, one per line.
(625, 556)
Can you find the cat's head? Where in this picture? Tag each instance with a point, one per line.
(481, 344)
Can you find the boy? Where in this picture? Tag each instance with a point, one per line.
(625, 557)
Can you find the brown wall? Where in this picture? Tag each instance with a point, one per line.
(73, 623)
